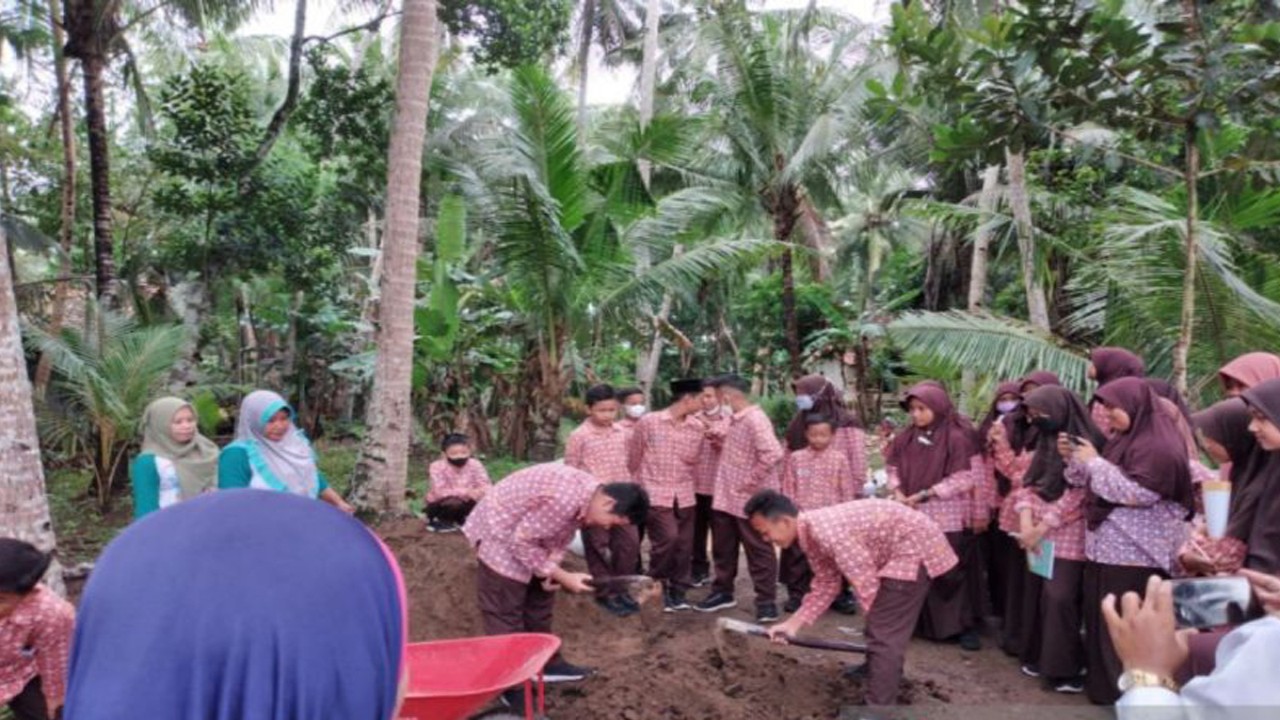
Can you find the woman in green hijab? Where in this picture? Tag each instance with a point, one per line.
(176, 463)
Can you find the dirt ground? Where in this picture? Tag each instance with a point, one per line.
(654, 665)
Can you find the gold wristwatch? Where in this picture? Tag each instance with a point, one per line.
(1131, 679)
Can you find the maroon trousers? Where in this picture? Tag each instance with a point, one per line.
(611, 552)
(1014, 559)
(947, 610)
(671, 545)
(1100, 655)
(30, 704)
(701, 534)
(508, 606)
(727, 532)
(1058, 649)
(451, 509)
(794, 571)
(889, 625)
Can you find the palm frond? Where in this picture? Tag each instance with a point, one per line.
(682, 273)
(995, 347)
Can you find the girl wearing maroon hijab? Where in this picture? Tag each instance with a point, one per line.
(1264, 531)
(1247, 371)
(1139, 496)
(1051, 510)
(816, 394)
(931, 466)
(994, 486)
(1107, 364)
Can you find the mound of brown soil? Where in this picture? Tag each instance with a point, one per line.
(648, 666)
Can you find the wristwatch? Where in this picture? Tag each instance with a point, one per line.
(1131, 679)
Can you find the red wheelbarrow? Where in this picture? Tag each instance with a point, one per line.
(451, 679)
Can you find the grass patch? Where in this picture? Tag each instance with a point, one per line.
(81, 528)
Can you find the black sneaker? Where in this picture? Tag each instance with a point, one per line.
(674, 602)
(716, 602)
(845, 605)
(970, 642)
(629, 603)
(1031, 671)
(514, 699)
(701, 580)
(1069, 686)
(559, 671)
(793, 603)
(435, 526)
(767, 613)
(614, 606)
(857, 672)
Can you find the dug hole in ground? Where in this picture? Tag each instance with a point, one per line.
(654, 665)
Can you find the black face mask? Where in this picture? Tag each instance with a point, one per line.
(459, 462)
(1046, 424)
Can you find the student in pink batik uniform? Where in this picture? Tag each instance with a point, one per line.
(599, 446)
(993, 487)
(717, 418)
(631, 403)
(520, 531)
(35, 635)
(458, 481)
(886, 551)
(814, 477)
(749, 463)
(1140, 496)
(932, 468)
(663, 455)
(1051, 510)
(816, 394)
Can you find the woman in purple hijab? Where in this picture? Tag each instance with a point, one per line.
(1139, 497)
(236, 605)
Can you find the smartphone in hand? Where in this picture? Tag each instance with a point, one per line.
(1210, 602)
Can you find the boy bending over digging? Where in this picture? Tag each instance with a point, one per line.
(521, 529)
(887, 551)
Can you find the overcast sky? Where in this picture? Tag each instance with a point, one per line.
(604, 87)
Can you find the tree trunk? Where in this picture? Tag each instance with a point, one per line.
(24, 507)
(57, 315)
(546, 378)
(381, 475)
(982, 239)
(1020, 205)
(1191, 251)
(648, 359)
(790, 321)
(93, 66)
(584, 63)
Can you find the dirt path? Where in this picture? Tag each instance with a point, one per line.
(668, 666)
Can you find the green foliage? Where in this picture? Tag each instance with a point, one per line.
(509, 33)
(345, 118)
(103, 382)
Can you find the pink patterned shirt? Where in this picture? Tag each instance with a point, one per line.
(1013, 466)
(749, 461)
(864, 541)
(524, 524)
(1064, 517)
(600, 451)
(951, 506)
(470, 481)
(704, 476)
(852, 442)
(814, 480)
(1145, 531)
(35, 640)
(664, 455)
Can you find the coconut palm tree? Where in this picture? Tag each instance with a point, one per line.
(383, 472)
(22, 490)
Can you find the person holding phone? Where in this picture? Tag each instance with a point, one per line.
(1139, 497)
(1144, 633)
(1053, 511)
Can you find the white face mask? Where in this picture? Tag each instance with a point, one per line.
(1004, 407)
(804, 402)
(635, 412)
(713, 411)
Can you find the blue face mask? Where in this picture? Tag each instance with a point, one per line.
(804, 402)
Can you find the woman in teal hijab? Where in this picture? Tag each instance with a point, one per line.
(271, 453)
